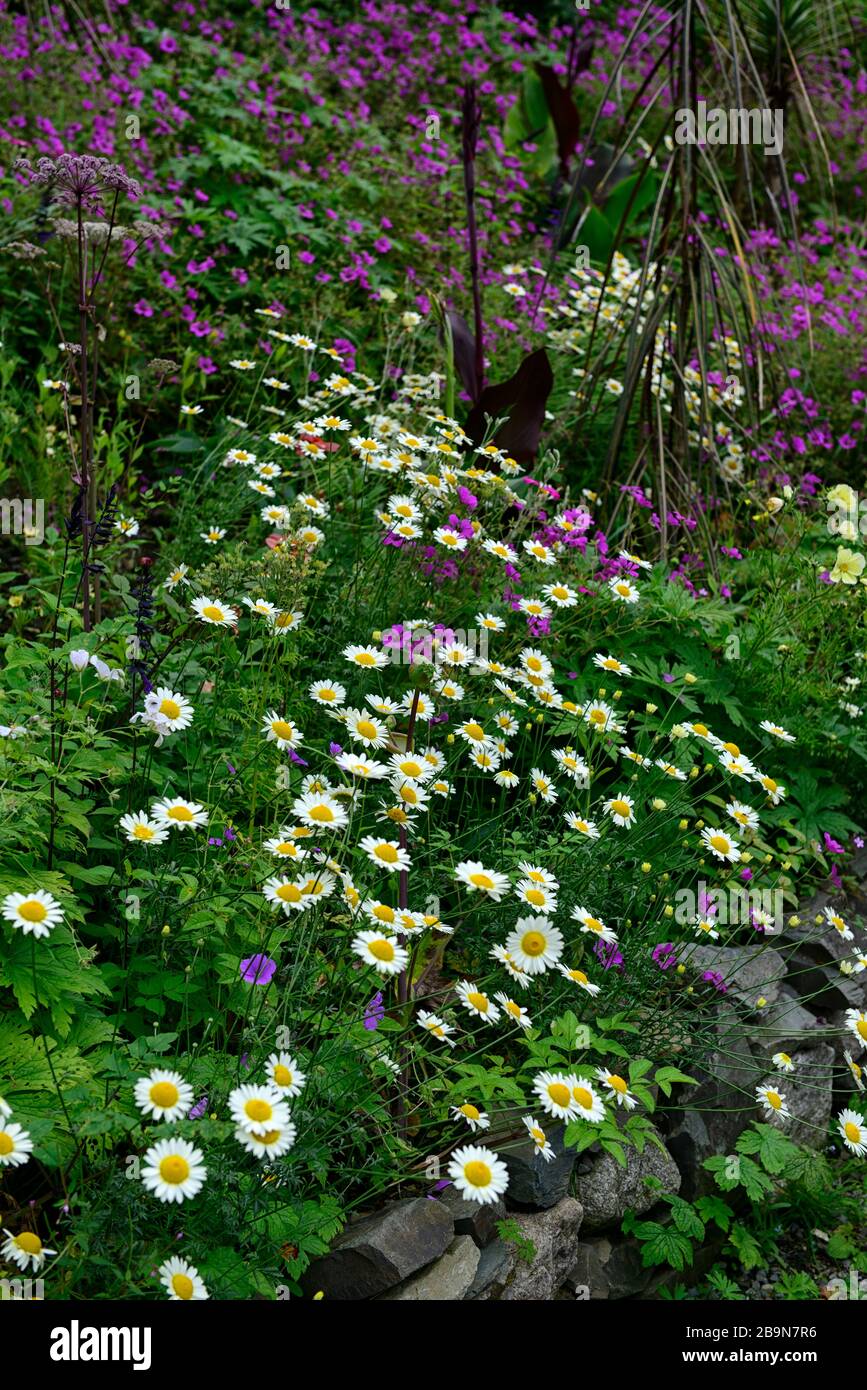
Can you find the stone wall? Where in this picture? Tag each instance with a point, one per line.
(440, 1247)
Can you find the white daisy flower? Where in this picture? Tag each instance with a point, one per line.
(182, 1281)
(16, 1146)
(386, 955)
(257, 1109)
(173, 1170)
(36, 913)
(478, 1174)
(164, 1095)
(476, 1001)
(183, 815)
(26, 1250)
(472, 1115)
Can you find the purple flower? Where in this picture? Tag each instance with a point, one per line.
(713, 977)
(664, 955)
(609, 955)
(374, 1013)
(199, 1109)
(832, 846)
(258, 970)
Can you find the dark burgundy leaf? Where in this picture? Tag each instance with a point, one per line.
(564, 114)
(464, 345)
(523, 398)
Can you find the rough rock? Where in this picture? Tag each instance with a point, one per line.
(715, 1111)
(494, 1268)
(786, 1025)
(748, 971)
(473, 1218)
(809, 1095)
(554, 1234)
(380, 1251)
(814, 955)
(608, 1269)
(606, 1190)
(449, 1278)
(535, 1183)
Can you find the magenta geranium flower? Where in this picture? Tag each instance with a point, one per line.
(258, 969)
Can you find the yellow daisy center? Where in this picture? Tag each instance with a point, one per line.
(470, 1111)
(773, 1099)
(535, 896)
(289, 893)
(258, 1110)
(179, 813)
(33, 910)
(598, 716)
(29, 1243)
(481, 881)
(477, 1174)
(720, 843)
(861, 1027)
(270, 1138)
(170, 708)
(533, 943)
(387, 853)
(321, 813)
(182, 1285)
(478, 1001)
(583, 1097)
(282, 1075)
(617, 1084)
(853, 1132)
(211, 611)
(6, 1143)
(621, 808)
(367, 728)
(382, 949)
(559, 1093)
(164, 1094)
(143, 832)
(282, 728)
(365, 659)
(174, 1169)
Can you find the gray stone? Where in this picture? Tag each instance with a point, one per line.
(809, 1095)
(381, 1250)
(816, 951)
(715, 1111)
(786, 1025)
(535, 1183)
(473, 1218)
(494, 1268)
(609, 1268)
(606, 1190)
(554, 1234)
(448, 1279)
(748, 971)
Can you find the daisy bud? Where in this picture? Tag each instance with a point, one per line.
(166, 931)
(761, 1002)
(658, 804)
(645, 868)
(690, 678)
(650, 709)
(668, 910)
(683, 825)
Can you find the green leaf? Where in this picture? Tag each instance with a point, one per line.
(713, 1208)
(661, 1245)
(774, 1150)
(745, 1246)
